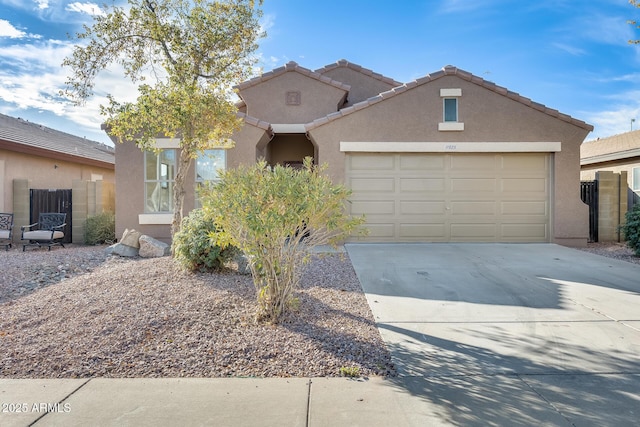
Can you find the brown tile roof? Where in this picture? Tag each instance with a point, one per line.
(448, 71)
(291, 66)
(20, 135)
(255, 122)
(343, 63)
(613, 147)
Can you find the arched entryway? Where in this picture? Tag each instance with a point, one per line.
(289, 150)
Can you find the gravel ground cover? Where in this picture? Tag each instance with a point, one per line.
(78, 313)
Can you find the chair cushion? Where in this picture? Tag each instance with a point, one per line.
(41, 235)
(4, 234)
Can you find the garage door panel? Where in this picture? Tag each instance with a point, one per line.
(373, 207)
(528, 232)
(381, 230)
(415, 207)
(458, 197)
(524, 185)
(371, 162)
(459, 185)
(372, 185)
(468, 162)
(422, 184)
(524, 208)
(425, 162)
(473, 230)
(423, 231)
(473, 208)
(523, 162)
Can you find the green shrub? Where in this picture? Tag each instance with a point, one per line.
(631, 229)
(275, 216)
(197, 246)
(101, 229)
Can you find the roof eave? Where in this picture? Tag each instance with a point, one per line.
(56, 155)
(610, 157)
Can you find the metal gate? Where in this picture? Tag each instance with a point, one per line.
(55, 201)
(589, 195)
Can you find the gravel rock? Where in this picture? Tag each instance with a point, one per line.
(614, 250)
(78, 313)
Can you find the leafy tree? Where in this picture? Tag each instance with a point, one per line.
(276, 216)
(633, 22)
(194, 49)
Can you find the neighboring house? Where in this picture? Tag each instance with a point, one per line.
(618, 153)
(448, 157)
(34, 157)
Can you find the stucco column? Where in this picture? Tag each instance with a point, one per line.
(21, 206)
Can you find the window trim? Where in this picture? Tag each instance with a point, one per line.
(163, 183)
(197, 181)
(450, 125)
(444, 110)
(634, 171)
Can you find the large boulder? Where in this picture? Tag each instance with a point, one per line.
(131, 238)
(152, 248)
(122, 250)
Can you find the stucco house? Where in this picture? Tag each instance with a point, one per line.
(449, 157)
(617, 153)
(35, 157)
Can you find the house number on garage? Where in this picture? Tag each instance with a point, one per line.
(450, 147)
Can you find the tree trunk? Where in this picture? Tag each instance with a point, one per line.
(184, 164)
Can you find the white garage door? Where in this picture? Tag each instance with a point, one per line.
(452, 197)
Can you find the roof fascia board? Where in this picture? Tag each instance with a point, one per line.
(622, 155)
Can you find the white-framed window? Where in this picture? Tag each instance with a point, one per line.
(208, 166)
(450, 118)
(635, 179)
(450, 110)
(159, 176)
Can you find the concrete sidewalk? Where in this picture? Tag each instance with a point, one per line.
(211, 402)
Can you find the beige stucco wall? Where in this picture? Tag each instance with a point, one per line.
(129, 192)
(250, 145)
(588, 172)
(266, 101)
(363, 86)
(488, 117)
(44, 173)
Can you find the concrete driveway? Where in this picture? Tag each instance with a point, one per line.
(508, 334)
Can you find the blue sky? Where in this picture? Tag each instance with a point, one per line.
(571, 55)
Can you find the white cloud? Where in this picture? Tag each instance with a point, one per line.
(31, 78)
(42, 4)
(87, 8)
(616, 118)
(8, 30)
(572, 50)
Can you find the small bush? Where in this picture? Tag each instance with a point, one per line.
(631, 229)
(101, 229)
(197, 246)
(349, 371)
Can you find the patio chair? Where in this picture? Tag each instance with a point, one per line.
(48, 231)
(6, 229)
